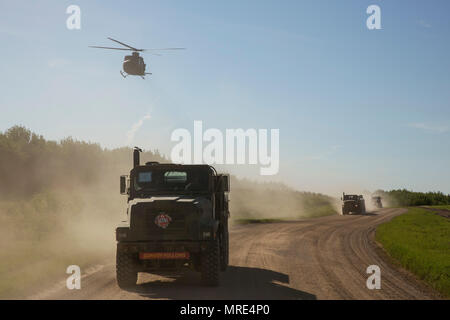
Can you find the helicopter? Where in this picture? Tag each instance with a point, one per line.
(134, 65)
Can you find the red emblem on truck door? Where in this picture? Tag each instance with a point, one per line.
(162, 220)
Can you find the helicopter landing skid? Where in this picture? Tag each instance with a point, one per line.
(126, 74)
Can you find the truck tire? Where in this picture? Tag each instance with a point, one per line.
(224, 248)
(210, 264)
(126, 273)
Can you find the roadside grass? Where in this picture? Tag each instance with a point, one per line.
(420, 242)
(440, 207)
(320, 211)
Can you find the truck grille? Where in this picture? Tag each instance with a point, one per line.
(182, 224)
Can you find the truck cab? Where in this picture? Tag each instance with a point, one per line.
(353, 204)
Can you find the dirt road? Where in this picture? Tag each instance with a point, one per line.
(323, 258)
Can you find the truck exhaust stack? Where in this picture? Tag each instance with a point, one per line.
(136, 157)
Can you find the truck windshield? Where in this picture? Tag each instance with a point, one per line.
(190, 180)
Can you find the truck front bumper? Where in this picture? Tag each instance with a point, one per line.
(163, 246)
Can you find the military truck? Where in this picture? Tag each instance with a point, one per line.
(177, 218)
(353, 204)
(376, 201)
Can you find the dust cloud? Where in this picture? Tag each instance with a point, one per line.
(40, 236)
(252, 200)
(60, 204)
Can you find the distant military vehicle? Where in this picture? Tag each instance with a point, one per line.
(177, 218)
(353, 204)
(376, 201)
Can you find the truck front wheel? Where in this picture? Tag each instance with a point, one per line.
(210, 264)
(126, 272)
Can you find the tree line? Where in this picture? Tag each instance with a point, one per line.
(403, 198)
(30, 164)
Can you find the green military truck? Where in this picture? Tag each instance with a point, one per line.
(177, 218)
(353, 204)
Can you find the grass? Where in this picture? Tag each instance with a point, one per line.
(441, 207)
(420, 242)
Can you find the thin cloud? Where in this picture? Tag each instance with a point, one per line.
(429, 127)
(424, 24)
(135, 127)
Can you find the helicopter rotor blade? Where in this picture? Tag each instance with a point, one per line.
(163, 49)
(124, 44)
(124, 49)
(110, 48)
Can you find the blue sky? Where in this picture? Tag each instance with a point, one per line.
(357, 109)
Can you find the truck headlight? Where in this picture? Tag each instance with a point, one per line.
(207, 234)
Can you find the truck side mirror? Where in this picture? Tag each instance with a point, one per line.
(225, 183)
(221, 183)
(123, 184)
